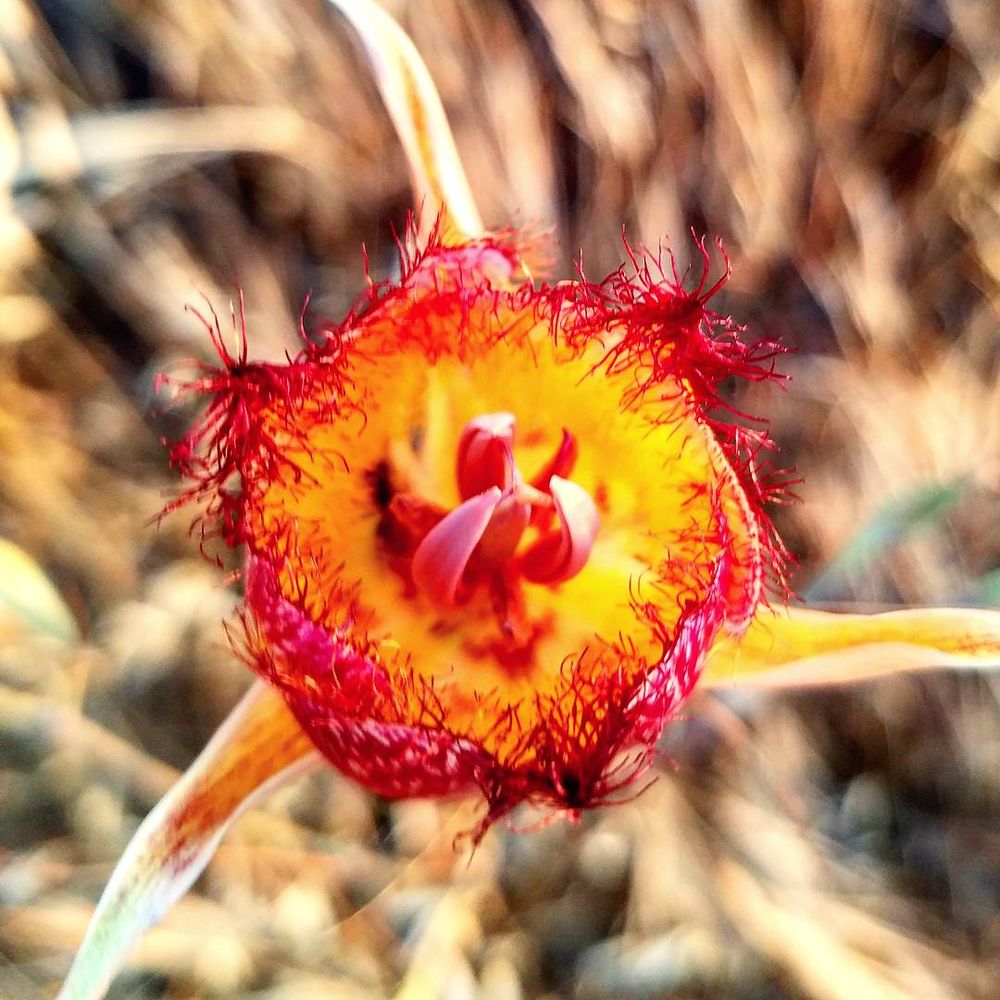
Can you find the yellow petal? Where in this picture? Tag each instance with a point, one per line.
(258, 747)
(415, 108)
(791, 647)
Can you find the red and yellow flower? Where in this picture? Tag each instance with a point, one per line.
(495, 531)
(492, 529)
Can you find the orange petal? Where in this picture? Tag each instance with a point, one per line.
(792, 647)
(257, 748)
(415, 108)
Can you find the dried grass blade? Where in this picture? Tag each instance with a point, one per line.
(413, 103)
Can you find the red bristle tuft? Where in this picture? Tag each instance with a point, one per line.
(651, 324)
(230, 441)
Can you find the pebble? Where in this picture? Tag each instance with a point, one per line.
(223, 965)
(681, 960)
(519, 950)
(537, 865)
(566, 926)
(192, 591)
(142, 641)
(20, 882)
(415, 824)
(306, 987)
(499, 980)
(865, 815)
(97, 818)
(65, 772)
(408, 910)
(605, 859)
(302, 912)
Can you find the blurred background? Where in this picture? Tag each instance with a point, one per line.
(843, 844)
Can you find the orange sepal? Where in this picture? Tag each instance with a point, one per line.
(258, 747)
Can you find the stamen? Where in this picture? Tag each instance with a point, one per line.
(479, 539)
(560, 555)
(561, 463)
(503, 533)
(486, 455)
(441, 558)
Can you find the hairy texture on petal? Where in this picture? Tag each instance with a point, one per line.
(344, 700)
(230, 441)
(666, 334)
(425, 652)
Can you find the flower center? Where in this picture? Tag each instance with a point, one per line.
(506, 529)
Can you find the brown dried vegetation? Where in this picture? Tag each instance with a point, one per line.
(823, 846)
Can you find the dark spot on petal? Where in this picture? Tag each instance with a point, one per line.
(418, 437)
(602, 497)
(380, 479)
(571, 789)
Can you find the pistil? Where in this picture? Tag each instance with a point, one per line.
(481, 539)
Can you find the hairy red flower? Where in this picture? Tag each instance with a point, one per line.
(492, 529)
(494, 532)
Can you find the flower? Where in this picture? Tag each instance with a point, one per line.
(492, 529)
(495, 532)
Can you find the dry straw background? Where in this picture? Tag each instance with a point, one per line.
(835, 845)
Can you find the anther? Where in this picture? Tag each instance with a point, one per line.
(560, 554)
(486, 455)
(479, 539)
(442, 557)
